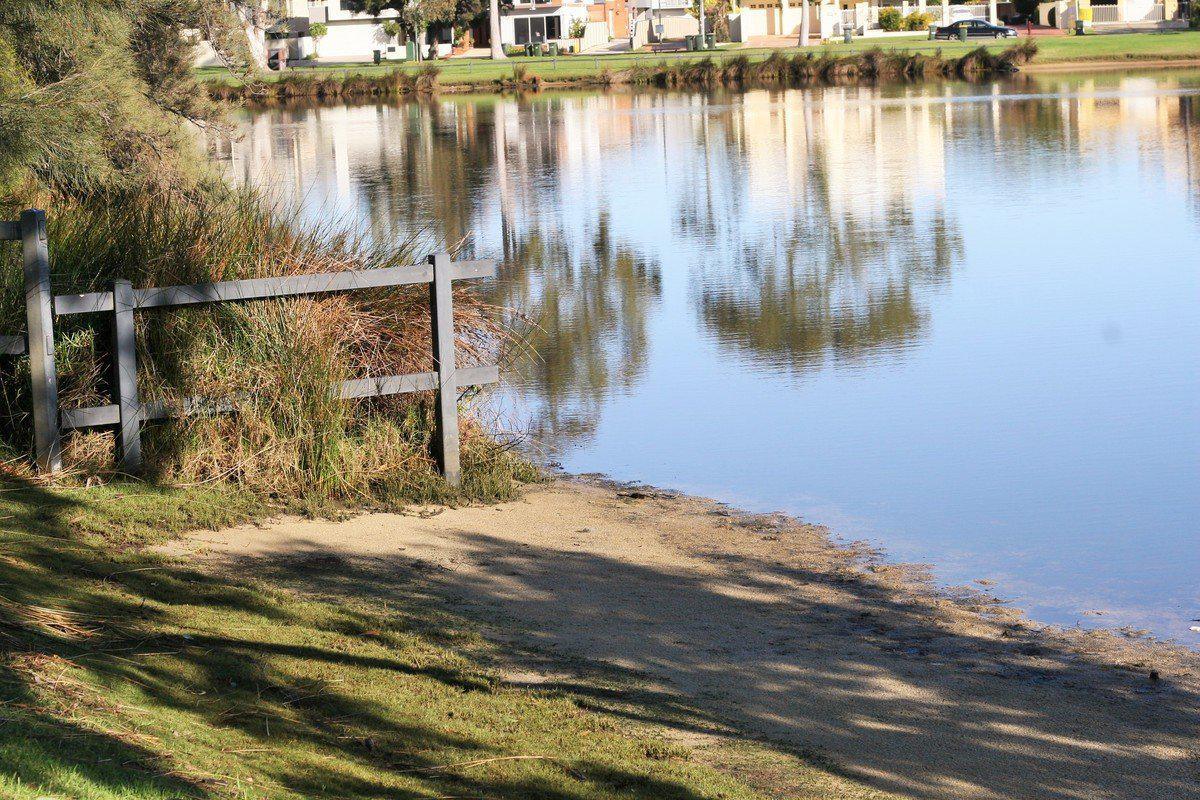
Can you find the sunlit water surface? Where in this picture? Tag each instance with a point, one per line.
(957, 320)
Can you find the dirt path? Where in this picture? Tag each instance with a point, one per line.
(764, 624)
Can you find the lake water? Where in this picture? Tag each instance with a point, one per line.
(960, 321)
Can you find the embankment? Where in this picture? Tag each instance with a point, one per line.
(778, 68)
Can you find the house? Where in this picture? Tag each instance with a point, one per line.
(1111, 16)
(541, 21)
(656, 20)
(830, 20)
(355, 37)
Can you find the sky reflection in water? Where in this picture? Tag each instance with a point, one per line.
(959, 320)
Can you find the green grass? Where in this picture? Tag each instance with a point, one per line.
(1052, 49)
(125, 675)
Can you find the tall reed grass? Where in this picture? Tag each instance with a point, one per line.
(780, 68)
(288, 435)
(806, 68)
(329, 86)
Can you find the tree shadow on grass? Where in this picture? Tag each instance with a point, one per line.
(873, 675)
(127, 675)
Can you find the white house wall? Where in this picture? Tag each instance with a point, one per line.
(352, 41)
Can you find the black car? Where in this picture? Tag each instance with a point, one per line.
(976, 29)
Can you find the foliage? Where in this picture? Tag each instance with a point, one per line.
(92, 91)
(578, 28)
(318, 30)
(890, 18)
(414, 15)
(916, 21)
(391, 29)
(98, 99)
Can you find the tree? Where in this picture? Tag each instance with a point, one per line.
(805, 24)
(416, 15)
(318, 31)
(494, 29)
(92, 91)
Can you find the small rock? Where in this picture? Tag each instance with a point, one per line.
(1153, 674)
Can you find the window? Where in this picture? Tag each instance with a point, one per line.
(535, 29)
(438, 34)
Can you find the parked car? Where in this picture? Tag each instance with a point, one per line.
(976, 29)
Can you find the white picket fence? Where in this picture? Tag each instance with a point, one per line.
(1104, 14)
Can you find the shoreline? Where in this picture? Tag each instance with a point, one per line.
(861, 62)
(740, 70)
(770, 627)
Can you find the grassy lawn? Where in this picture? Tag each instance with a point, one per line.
(1052, 49)
(125, 675)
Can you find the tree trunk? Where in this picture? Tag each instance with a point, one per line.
(251, 15)
(805, 24)
(494, 30)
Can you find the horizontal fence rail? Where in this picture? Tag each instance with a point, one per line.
(268, 288)
(102, 416)
(127, 413)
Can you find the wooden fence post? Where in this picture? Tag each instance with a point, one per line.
(129, 432)
(39, 321)
(441, 309)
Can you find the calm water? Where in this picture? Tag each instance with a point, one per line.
(957, 320)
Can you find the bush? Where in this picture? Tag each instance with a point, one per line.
(578, 29)
(916, 21)
(318, 30)
(512, 51)
(890, 18)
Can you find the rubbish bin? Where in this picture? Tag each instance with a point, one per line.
(410, 51)
(378, 56)
(529, 49)
(690, 41)
(932, 33)
(847, 35)
(1080, 27)
(962, 33)
(554, 49)
(710, 41)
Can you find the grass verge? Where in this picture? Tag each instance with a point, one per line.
(125, 675)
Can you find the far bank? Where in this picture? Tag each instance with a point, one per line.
(902, 58)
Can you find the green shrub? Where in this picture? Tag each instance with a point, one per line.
(890, 18)
(318, 30)
(916, 21)
(513, 51)
(578, 29)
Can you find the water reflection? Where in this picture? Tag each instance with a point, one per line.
(963, 308)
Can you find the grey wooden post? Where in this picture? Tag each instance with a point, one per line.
(39, 321)
(441, 309)
(129, 432)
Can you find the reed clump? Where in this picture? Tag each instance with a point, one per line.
(329, 86)
(804, 68)
(522, 80)
(288, 435)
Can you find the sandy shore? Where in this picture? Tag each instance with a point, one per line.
(762, 627)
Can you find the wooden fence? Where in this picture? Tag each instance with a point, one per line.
(127, 413)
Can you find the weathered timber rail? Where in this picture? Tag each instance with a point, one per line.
(127, 413)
